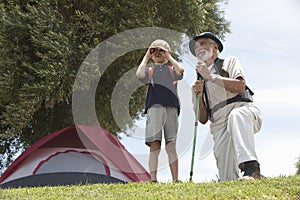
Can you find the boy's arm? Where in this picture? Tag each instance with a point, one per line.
(141, 71)
(178, 68)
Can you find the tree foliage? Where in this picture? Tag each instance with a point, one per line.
(44, 42)
(298, 166)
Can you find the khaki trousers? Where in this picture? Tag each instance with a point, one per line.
(234, 144)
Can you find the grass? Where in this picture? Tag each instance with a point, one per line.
(268, 188)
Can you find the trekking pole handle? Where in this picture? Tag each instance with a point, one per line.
(199, 77)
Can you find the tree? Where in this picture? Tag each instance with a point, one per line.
(298, 166)
(44, 42)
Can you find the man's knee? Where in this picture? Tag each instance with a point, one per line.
(237, 113)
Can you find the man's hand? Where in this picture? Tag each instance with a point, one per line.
(198, 89)
(198, 86)
(202, 69)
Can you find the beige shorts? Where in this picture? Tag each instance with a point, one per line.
(161, 118)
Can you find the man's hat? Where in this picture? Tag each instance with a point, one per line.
(160, 43)
(205, 35)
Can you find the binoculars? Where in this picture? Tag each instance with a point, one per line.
(156, 49)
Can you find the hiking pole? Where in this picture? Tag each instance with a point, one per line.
(195, 129)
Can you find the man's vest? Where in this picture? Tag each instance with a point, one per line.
(244, 97)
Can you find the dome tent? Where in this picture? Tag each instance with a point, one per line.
(74, 155)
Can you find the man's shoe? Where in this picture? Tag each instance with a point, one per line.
(251, 170)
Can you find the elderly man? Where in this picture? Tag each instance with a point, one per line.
(227, 103)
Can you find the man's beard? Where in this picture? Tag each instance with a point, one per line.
(206, 56)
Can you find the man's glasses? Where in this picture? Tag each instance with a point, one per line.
(156, 49)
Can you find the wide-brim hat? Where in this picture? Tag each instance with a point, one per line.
(205, 35)
(160, 43)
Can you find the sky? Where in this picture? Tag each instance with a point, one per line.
(264, 37)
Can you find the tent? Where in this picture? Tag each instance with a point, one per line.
(74, 155)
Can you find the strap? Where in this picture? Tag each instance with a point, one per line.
(150, 73)
(237, 98)
(250, 91)
(208, 110)
(219, 67)
(172, 74)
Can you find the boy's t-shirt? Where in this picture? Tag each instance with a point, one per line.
(162, 90)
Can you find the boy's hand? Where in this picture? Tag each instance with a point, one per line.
(148, 55)
(168, 55)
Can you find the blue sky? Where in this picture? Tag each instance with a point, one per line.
(264, 36)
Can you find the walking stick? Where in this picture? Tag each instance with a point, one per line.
(195, 128)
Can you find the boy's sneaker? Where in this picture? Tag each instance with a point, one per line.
(154, 181)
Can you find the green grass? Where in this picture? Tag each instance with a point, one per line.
(268, 188)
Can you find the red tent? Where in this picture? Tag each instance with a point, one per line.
(74, 155)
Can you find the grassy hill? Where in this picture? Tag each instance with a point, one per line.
(268, 188)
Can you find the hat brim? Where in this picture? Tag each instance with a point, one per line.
(210, 36)
(155, 46)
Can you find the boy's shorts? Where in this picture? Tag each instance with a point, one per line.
(161, 118)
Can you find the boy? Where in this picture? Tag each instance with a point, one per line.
(162, 104)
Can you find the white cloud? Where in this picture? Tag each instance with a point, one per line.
(266, 14)
(278, 157)
(279, 98)
(268, 26)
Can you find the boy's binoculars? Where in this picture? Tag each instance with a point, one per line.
(156, 49)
